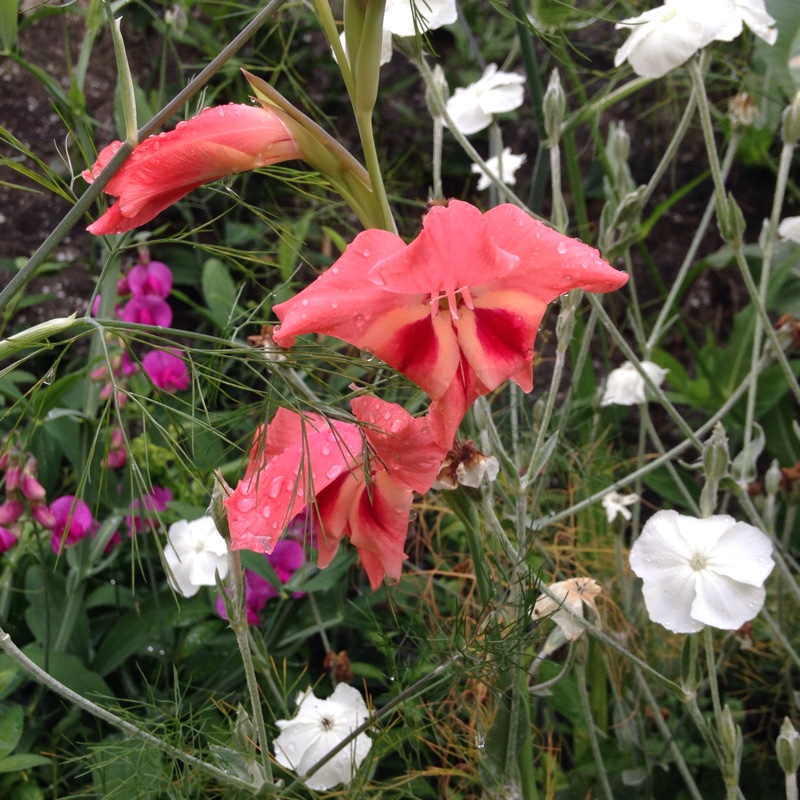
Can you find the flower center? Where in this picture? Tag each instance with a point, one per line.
(451, 301)
(327, 723)
(698, 563)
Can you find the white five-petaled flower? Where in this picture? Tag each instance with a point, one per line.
(195, 553)
(790, 229)
(700, 572)
(615, 503)
(572, 594)
(665, 37)
(626, 387)
(504, 168)
(495, 92)
(317, 727)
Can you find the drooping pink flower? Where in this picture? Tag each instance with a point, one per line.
(117, 455)
(153, 503)
(165, 168)
(153, 278)
(166, 369)
(146, 309)
(7, 539)
(11, 510)
(285, 559)
(308, 462)
(73, 522)
(457, 310)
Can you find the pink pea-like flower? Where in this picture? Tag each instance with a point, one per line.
(154, 278)
(166, 369)
(73, 522)
(7, 539)
(155, 502)
(147, 309)
(10, 511)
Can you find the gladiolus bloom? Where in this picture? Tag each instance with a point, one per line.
(306, 461)
(164, 168)
(457, 310)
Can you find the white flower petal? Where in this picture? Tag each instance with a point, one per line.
(398, 17)
(626, 387)
(790, 229)
(726, 557)
(195, 552)
(725, 603)
(505, 169)
(466, 114)
(668, 596)
(660, 546)
(471, 109)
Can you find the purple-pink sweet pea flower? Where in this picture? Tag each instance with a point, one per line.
(146, 309)
(286, 559)
(11, 510)
(155, 502)
(7, 539)
(154, 278)
(73, 522)
(166, 369)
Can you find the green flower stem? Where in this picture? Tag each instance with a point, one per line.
(666, 734)
(82, 204)
(763, 287)
(780, 636)
(328, 24)
(711, 666)
(737, 245)
(521, 709)
(129, 728)
(592, 109)
(365, 130)
(238, 621)
(740, 390)
(586, 709)
(699, 235)
(464, 509)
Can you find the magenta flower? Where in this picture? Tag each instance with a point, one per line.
(73, 520)
(7, 539)
(11, 510)
(146, 309)
(153, 503)
(153, 278)
(286, 559)
(166, 369)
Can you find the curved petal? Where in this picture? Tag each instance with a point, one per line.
(332, 511)
(403, 445)
(725, 603)
(446, 413)
(551, 264)
(342, 302)
(669, 595)
(379, 527)
(497, 337)
(453, 251)
(431, 14)
(661, 545)
(466, 113)
(742, 553)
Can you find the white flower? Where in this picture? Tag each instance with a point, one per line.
(195, 553)
(790, 229)
(573, 594)
(626, 387)
(664, 37)
(471, 109)
(317, 727)
(752, 13)
(504, 168)
(615, 503)
(700, 572)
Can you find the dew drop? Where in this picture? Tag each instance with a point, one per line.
(366, 355)
(359, 319)
(412, 515)
(266, 512)
(333, 471)
(334, 305)
(304, 301)
(396, 425)
(275, 486)
(562, 248)
(245, 504)
(326, 451)
(365, 253)
(566, 278)
(335, 270)
(49, 377)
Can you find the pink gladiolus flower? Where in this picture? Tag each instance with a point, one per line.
(457, 310)
(155, 502)
(7, 539)
(165, 168)
(286, 559)
(153, 278)
(308, 462)
(166, 369)
(146, 309)
(73, 520)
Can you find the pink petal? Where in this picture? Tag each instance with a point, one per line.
(551, 264)
(332, 511)
(404, 446)
(454, 250)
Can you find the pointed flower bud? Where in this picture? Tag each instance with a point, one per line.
(788, 747)
(555, 104)
(790, 121)
(10, 511)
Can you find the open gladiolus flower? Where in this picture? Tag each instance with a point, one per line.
(306, 461)
(457, 310)
(164, 168)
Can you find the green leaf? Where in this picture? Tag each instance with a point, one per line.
(11, 724)
(70, 671)
(21, 761)
(219, 292)
(9, 15)
(126, 768)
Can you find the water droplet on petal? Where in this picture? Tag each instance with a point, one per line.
(334, 305)
(562, 248)
(359, 319)
(266, 512)
(365, 253)
(396, 425)
(566, 278)
(276, 486)
(304, 301)
(366, 355)
(326, 451)
(333, 471)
